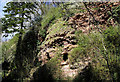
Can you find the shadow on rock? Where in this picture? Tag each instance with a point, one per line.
(86, 75)
(43, 74)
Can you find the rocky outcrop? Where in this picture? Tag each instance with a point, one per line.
(100, 14)
(62, 35)
(58, 36)
(71, 70)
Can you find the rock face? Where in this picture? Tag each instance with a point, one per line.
(87, 21)
(71, 70)
(62, 35)
(66, 39)
(67, 72)
(59, 35)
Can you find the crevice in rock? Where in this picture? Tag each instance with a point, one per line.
(48, 56)
(65, 56)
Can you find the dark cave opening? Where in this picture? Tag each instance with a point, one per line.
(48, 56)
(65, 56)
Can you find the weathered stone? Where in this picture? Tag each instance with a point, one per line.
(67, 72)
(64, 63)
(50, 50)
(81, 63)
(73, 67)
(72, 32)
(52, 54)
(70, 35)
(72, 46)
(64, 52)
(67, 46)
(65, 43)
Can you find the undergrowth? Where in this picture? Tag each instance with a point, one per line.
(104, 50)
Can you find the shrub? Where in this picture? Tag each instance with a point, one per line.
(87, 45)
(104, 61)
(115, 12)
(54, 66)
(51, 15)
(112, 39)
(9, 47)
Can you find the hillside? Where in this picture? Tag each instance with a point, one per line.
(73, 41)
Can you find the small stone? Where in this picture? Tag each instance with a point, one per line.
(64, 63)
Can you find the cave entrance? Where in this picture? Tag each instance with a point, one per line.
(48, 56)
(65, 56)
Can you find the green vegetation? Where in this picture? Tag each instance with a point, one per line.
(9, 47)
(16, 13)
(58, 28)
(115, 12)
(52, 14)
(48, 20)
(60, 40)
(54, 66)
(51, 71)
(104, 62)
